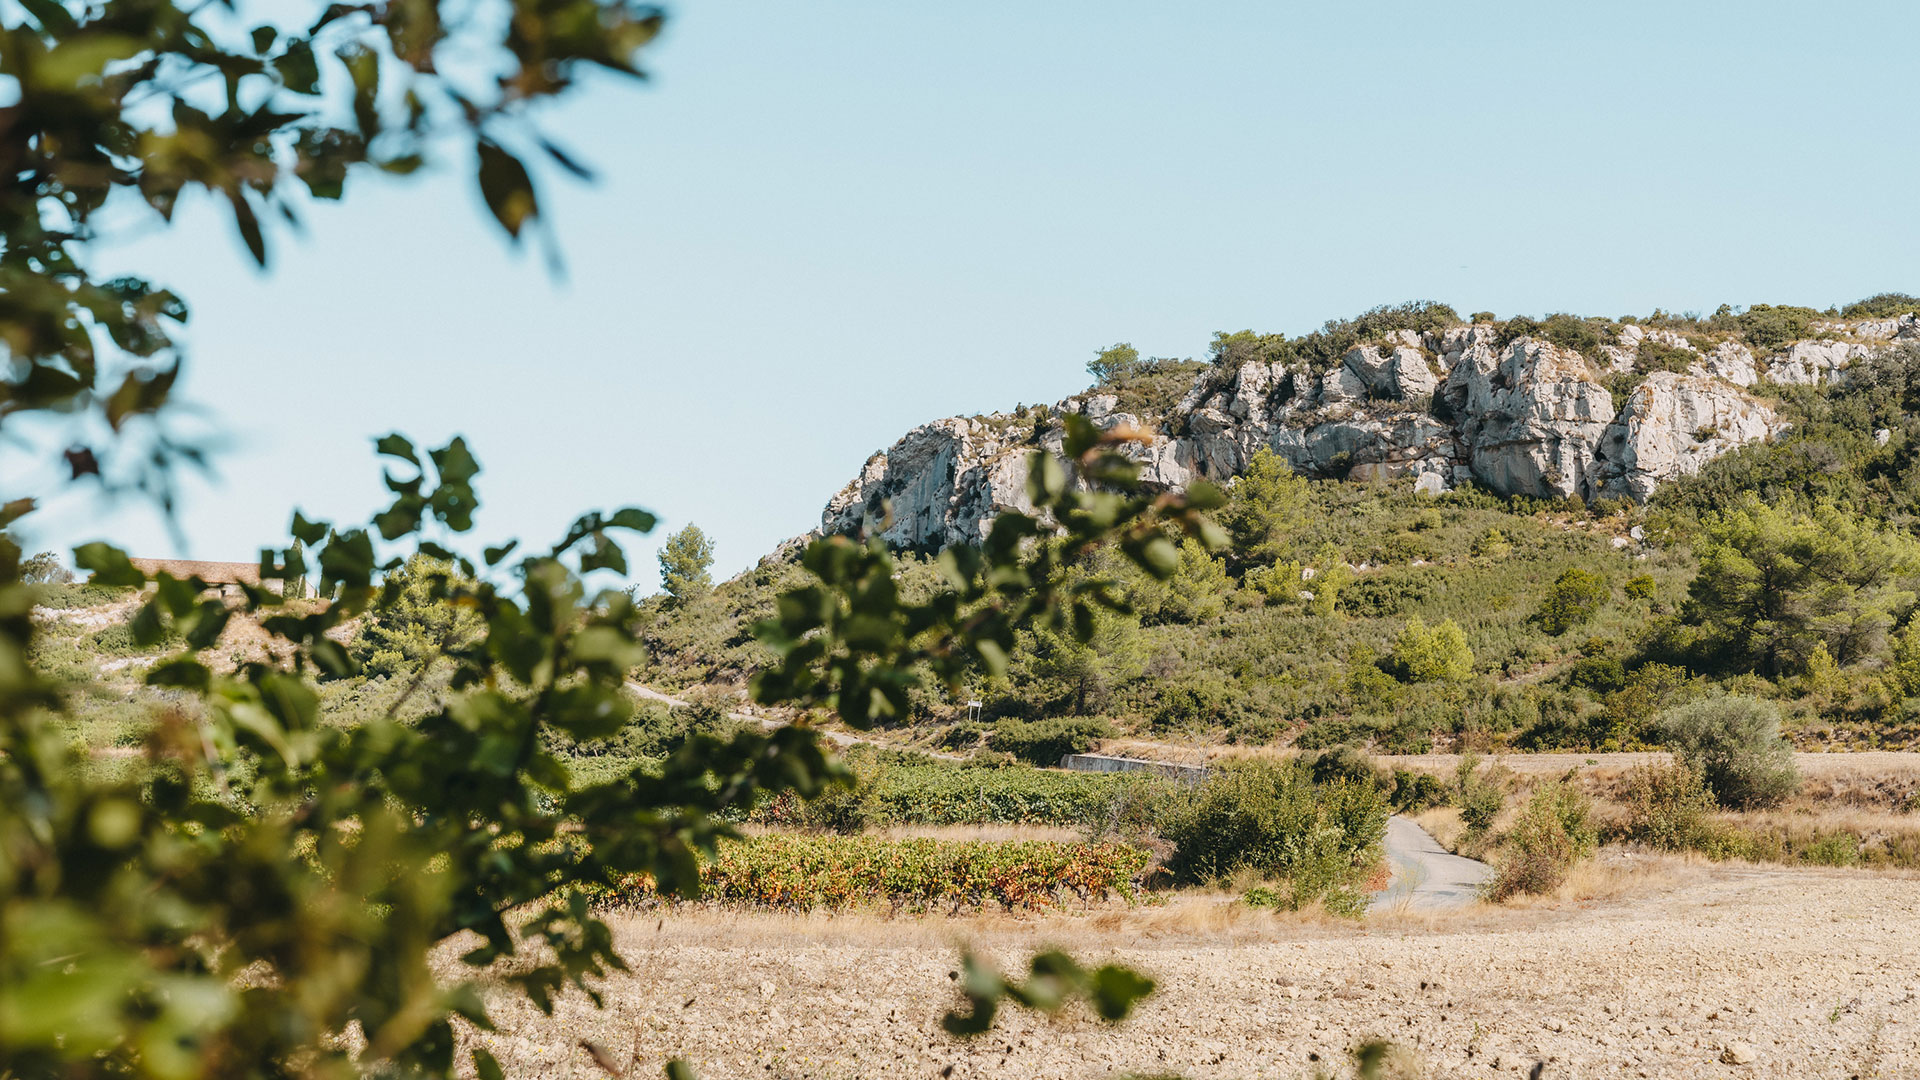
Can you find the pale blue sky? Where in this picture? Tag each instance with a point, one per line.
(822, 224)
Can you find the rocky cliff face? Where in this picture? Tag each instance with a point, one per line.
(1435, 411)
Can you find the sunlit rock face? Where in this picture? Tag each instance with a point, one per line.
(1433, 411)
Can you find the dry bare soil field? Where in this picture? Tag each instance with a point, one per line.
(1643, 966)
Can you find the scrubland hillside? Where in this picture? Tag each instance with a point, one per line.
(1382, 613)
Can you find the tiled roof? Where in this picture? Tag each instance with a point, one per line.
(213, 573)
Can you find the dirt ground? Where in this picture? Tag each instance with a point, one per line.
(1660, 970)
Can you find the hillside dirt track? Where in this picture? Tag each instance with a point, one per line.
(1815, 972)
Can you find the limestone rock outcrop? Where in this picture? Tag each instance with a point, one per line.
(1434, 411)
(1671, 425)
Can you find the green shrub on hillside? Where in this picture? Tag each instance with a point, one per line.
(1439, 654)
(71, 596)
(1324, 347)
(1884, 305)
(1734, 742)
(1491, 544)
(1045, 742)
(117, 640)
(1768, 328)
(1657, 356)
(1554, 831)
(1270, 818)
(1575, 597)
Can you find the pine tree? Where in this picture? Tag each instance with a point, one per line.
(684, 562)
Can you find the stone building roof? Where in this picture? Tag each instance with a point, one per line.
(213, 573)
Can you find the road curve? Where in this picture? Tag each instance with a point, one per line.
(1426, 877)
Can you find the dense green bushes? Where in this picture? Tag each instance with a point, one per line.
(943, 794)
(1554, 831)
(1439, 654)
(1324, 347)
(1574, 598)
(1885, 305)
(1045, 742)
(66, 596)
(1270, 818)
(1735, 744)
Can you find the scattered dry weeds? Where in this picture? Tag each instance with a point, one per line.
(1639, 965)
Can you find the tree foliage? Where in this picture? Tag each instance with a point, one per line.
(1196, 591)
(1576, 595)
(1436, 654)
(463, 822)
(1734, 744)
(1773, 584)
(45, 568)
(1114, 363)
(1264, 509)
(418, 621)
(139, 104)
(684, 561)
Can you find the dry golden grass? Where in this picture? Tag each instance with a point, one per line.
(1443, 824)
(1614, 874)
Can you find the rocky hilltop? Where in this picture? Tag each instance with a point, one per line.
(1466, 403)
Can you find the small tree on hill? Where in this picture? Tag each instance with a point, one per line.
(684, 562)
(1439, 654)
(1268, 503)
(416, 623)
(45, 569)
(1113, 363)
(1573, 599)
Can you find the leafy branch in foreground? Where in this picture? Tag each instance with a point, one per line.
(851, 645)
(1054, 979)
(261, 883)
(261, 893)
(262, 108)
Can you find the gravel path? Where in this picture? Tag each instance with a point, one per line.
(1426, 877)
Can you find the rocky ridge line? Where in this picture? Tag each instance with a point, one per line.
(1438, 410)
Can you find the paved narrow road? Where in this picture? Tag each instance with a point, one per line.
(1426, 877)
